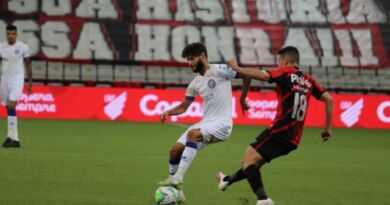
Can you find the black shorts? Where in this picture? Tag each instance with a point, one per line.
(271, 146)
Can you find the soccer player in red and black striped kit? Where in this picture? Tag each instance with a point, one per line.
(293, 89)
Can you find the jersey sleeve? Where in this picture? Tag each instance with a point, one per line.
(318, 90)
(226, 72)
(190, 92)
(275, 74)
(26, 52)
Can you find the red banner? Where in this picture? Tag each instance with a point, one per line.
(83, 103)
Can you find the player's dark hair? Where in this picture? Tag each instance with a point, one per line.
(194, 49)
(291, 53)
(11, 28)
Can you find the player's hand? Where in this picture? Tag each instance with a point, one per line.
(233, 64)
(325, 135)
(163, 116)
(244, 105)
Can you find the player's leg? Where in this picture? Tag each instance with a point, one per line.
(5, 97)
(226, 180)
(15, 87)
(193, 137)
(202, 135)
(266, 148)
(175, 154)
(251, 164)
(174, 157)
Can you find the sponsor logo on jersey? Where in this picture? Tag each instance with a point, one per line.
(211, 83)
(17, 51)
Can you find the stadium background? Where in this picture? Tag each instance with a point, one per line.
(100, 64)
(137, 44)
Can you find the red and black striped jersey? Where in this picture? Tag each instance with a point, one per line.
(293, 90)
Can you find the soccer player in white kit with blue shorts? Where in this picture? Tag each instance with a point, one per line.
(15, 57)
(213, 84)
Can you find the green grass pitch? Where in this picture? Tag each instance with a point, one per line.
(118, 163)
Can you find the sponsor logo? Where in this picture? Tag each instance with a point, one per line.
(381, 112)
(37, 103)
(211, 83)
(262, 109)
(352, 112)
(17, 51)
(151, 105)
(115, 105)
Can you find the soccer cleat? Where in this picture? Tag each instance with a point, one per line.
(222, 185)
(11, 144)
(182, 197)
(265, 202)
(7, 141)
(173, 182)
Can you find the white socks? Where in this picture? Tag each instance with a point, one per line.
(173, 165)
(188, 155)
(13, 128)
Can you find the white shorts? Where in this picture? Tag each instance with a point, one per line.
(11, 89)
(219, 129)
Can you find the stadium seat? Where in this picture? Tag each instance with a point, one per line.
(353, 81)
(236, 83)
(105, 73)
(336, 81)
(171, 75)
(384, 82)
(368, 71)
(384, 71)
(186, 75)
(138, 73)
(351, 71)
(155, 74)
(72, 72)
(39, 70)
(88, 72)
(258, 84)
(370, 81)
(305, 69)
(55, 71)
(321, 78)
(335, 70)
(319, 70)
(122, 73)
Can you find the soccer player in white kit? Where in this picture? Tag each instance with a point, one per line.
(213, 84)
(15, 57)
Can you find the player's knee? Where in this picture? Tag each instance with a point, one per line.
(250, 160)
(11, 106)
(194, 136)
(175, 152)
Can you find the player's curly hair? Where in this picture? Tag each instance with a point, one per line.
(194, 49)
(11, 27)
(291, 53)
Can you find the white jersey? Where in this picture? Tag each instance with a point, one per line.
(13, 59)
(216, 91)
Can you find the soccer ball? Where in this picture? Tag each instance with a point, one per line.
(167, 195)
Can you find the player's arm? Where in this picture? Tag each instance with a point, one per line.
(179, 109)
(328, 100)
(246, 84)
(27, 65)
(250, 73)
